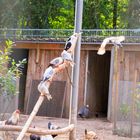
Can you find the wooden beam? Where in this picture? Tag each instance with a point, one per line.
(37, 54)
(38, 131)
(47, 46)
(110, 97)
(60, 46)
(86, 76)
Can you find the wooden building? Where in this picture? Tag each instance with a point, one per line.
(95, 81)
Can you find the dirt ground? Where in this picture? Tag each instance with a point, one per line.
(101, 126)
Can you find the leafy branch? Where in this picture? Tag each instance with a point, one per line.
(9, 74)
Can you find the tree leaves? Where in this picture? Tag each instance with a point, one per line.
(8, 75)
(60, 14)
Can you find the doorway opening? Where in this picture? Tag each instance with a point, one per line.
(18, 55)
(98, 83)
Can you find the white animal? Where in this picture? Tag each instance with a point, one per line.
(71, 42)
(48, 73)
(115, 40)
(56, 62)
(43, 88)
(67, 57)
(48, 137)
(36, 137)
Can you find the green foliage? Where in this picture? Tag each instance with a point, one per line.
(54, 14)
(125, 109)
(11, 13)
(65, 18)
(133, 13)
(8, 75)
(99, 14)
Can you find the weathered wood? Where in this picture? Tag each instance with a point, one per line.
(37, 54)
(116, 79)
(110, 99)
(86, 76)
(35, 71)
(132, 104)
(31, 117)
(38, 131)
(84, 46)
(48, 46)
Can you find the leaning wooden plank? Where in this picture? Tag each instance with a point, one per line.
(31, 117)
(38, 131)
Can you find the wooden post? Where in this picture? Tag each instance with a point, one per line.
(109, 113)
(116, 78)
(132, 103)
(31, 117)
(86, 76)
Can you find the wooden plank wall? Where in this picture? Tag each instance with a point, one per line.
(129, 65)
(53, 108)
(128, 62)
(36, 70)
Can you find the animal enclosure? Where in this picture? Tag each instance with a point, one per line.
(126, 94)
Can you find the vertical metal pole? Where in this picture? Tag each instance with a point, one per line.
(75, 78)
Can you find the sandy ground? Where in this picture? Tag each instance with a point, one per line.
(101, 126)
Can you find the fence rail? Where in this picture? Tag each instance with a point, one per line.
(61, 35)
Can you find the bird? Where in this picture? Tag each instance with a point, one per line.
(84, 112)
(48, 73)
(47, 137)
(71, 42)
(66, 56)
(90, 135)
(56, 62)
(115, 40)
(43, 88)
(53, 127)
(36, 137)
(14, 119)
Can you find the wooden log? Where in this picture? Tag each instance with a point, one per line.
(31, 117)
(38, 131)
